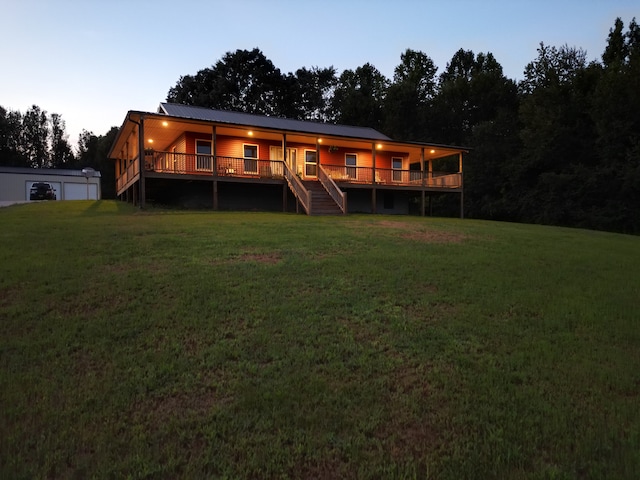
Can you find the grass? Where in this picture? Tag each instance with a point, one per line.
(167, 344)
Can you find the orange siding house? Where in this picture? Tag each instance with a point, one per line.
(231, 160)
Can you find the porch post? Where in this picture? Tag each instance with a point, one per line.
(214, 166)
(461, 185)
(285, 160)
(141, 159)
(317, 156)
(284, 148)
(214, 150)
(373, 179)
(422, 205)
(284, 196)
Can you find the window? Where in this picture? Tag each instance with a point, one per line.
(203, 155)
(310, 163)
(351, 161)
(250, 154)
(396, 165)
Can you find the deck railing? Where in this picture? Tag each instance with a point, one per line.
(330, 186)
(297, 187)
(197, 164)
(389, 176)
(129, 174)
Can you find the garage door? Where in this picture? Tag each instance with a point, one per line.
(78, 191)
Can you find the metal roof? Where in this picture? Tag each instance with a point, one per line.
(273, 123)
(47, 171)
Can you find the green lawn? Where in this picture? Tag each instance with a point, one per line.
(172, 344)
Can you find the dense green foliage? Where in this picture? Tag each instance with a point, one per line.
(254, 345)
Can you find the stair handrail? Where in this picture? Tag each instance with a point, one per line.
(332, 188)
(297, 187)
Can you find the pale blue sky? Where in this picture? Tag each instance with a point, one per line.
(93, 60)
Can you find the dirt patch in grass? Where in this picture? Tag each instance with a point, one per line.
(417, 232)
(268, 258)
(435, 237)
(8, 296)
(405, 435)
(265, 258)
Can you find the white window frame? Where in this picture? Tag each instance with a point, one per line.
(396, 173)
(315, 152)
(351, 171)
(248, 161)
(203, 160)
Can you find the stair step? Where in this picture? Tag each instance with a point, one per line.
(321, 203)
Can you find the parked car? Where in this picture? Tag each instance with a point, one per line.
(42, 191)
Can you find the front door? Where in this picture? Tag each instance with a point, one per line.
(292, 157)
(310, 163)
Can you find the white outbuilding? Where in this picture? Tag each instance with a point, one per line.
(21, 184)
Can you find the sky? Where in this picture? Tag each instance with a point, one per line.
(91, 61)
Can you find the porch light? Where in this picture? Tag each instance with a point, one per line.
(432, 151)
(165, 123)
(379, 146)
(150, 140)
(250, 133)
(319, 140)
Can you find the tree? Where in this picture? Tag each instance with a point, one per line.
(313, 92)
(61, 153)
(10, 132)
(92, 152)
(34, 140)
(243, 81)
(614, 109)
(617, 50)
(551, 175)
(477, 105)
(409, 97)
(359, 97)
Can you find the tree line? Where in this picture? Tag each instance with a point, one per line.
(38, 139)
(560, 147)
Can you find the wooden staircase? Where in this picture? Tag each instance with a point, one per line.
(321, 203)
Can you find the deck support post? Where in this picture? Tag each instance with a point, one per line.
(422, 203)
(141, 159)
(215, 194)
(285, 189)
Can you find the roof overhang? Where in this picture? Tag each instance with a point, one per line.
(161, 130)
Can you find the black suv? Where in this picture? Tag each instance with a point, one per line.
(42, 191)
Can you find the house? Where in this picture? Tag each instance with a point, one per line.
(232, 160)
(19, 184)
